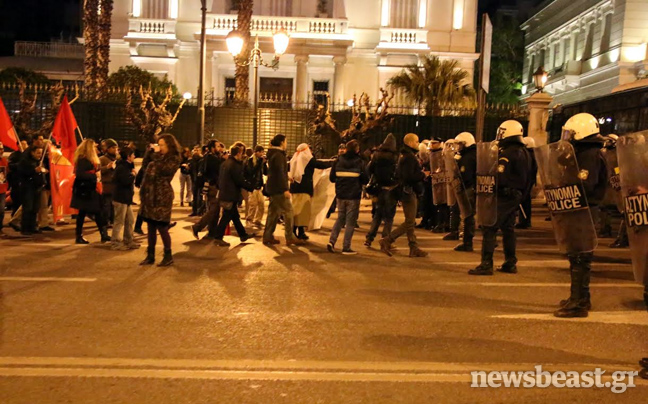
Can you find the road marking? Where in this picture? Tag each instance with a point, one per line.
(544, 285)
(282, 370)
(539, 249)
(43, 279)
(638, 317)
(27, 243)
(540, 263)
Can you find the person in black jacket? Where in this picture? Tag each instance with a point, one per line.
(524, 218)
(349, 175)
(410, 174)
(302, 168)
(582, 130)
(123, 191)
(467, 163)
(186, 190)
(31, 175)
(513, 179)
(278, 191)
(255, 169)
(382, 172)
(210, 173)
(197, 180)
(231, 182)
(85, 196)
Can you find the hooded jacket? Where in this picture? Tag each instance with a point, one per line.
(349, 175)
(383, 164)
(410, 171)
(277, 172)
(124, 182)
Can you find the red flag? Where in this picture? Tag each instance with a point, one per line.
(8, 134)
(62, 180)
(64, 130)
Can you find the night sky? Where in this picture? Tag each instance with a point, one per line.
(43, 20)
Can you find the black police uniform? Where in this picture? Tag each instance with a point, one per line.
(514, 167)
(593, 173)
(468, 171)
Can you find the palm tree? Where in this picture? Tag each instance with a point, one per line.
(104, 25)
(242, 75)
(434, 84)
(91, 37)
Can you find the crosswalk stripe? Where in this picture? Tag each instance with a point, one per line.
(43, 279)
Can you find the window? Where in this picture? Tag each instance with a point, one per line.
(230, 89)
(275, 91)
(556, 55)
(404, 13)
(155, 9)
(541, 59)
(320, 92)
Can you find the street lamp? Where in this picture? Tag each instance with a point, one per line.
(235, 44)
(186, 96)
(540, 78)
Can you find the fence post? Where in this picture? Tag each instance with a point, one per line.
(538, 105)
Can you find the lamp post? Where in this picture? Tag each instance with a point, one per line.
(540, 78)
(201, 79)
(235, 42)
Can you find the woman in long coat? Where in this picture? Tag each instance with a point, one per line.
(156, 195)
(86, 196)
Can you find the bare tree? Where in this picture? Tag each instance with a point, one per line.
(150, 118)
(91, 38)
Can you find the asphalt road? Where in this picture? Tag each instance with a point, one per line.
(256, 324)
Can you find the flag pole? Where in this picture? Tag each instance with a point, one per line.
(49, 142)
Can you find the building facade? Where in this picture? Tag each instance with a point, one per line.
(342, 47)
(589, 47)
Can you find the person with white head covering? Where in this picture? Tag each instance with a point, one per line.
(302, 168)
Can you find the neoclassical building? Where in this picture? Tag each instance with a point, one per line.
(340, 46)
(589, 47)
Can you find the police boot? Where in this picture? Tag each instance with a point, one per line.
(622, 237)
(577, 304)
(464, 247)
(167, 260)
(509, 266)
(453, 235)
(150, 257)
(486, 266)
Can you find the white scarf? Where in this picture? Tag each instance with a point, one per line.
(299, 161)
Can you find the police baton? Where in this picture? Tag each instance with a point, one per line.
(522, 210)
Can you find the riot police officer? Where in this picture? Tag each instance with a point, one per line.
(508, 184)
(467, 162)
(582, 130)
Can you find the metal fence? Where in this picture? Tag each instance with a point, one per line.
(108, 119)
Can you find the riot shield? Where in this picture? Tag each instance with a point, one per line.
(487, 159)
(632, 150)
(439, 178)
(563, 188)
(455, 186)
(613, 191)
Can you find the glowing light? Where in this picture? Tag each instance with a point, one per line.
(234, 43)
(350, 103)
(601, 121)
(422, 20)
(457, 17)
(614, 55)
(173, 9)
(524, 89)
(635, 53)
(281, 41)
(186, 96)
(384, 15)
(608, 120)
(137, 8)
(594, 62)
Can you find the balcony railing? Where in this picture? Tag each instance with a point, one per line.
(49, 49)
(403, 35)
(268, 25)
(148, 26)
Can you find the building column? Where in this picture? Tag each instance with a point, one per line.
(338, 79)
(301, 95)
(538, 105)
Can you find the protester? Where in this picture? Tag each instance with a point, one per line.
(411, 176)
(124, 189)
(349, 175)
(140, 178)
(255, 169)
(197, 180)
(302, 168)
(86, 197)
(382, 172)
(108, 164)
(210, 173)
(157, 196)
(186, 189)
(31, 174)
(4, 184)
(231, 182)
(341, 151)
(13, 179)
(277, 190)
